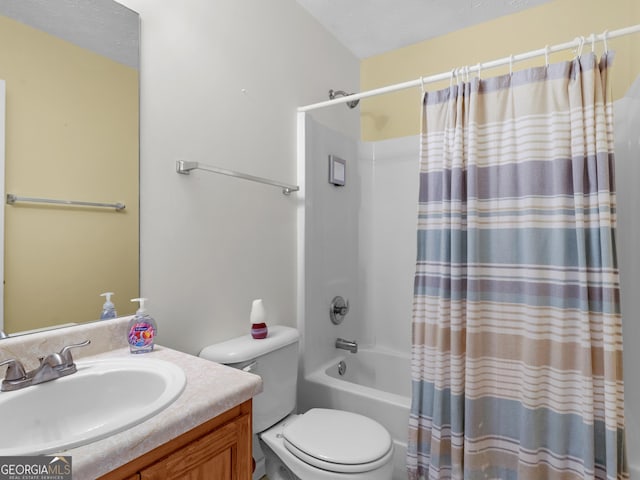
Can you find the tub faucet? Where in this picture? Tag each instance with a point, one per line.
(352, 346)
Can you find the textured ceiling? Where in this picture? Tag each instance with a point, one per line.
(366, 27)
(103, 26)
(371, 27)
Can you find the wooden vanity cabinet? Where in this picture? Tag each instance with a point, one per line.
(219, 449)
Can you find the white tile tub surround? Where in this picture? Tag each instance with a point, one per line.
(627, 145)
(211, 390)
(359, 242)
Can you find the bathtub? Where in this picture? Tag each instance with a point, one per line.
(376, 383)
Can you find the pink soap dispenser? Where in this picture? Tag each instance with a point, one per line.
(258, 317)
(142, 329)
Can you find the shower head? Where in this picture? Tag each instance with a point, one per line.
(341, 93)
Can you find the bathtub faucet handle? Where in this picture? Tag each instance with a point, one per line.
(339, 309)
(343, 310)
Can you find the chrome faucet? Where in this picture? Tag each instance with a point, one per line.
(54, 365)
(352, 346)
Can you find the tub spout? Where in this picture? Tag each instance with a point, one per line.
(347, 345)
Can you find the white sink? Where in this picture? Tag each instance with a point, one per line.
(104, 397)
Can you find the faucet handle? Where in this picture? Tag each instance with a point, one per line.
(53, 360)
(15, 370)
(338, 310)
(65, 353)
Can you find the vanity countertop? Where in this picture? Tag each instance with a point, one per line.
(211, 389)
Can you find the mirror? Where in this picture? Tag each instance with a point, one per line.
(72, 133)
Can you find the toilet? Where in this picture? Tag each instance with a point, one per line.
(316, 445)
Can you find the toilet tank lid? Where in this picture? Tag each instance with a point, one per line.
(244, 348)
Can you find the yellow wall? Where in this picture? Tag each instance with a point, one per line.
(72, 133)
(559, 21)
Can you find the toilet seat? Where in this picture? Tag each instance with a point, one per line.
(338, 441)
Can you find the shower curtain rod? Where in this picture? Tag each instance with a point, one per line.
(576, 43)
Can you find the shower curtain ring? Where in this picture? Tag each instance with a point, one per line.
(580, 47)
(605, 34)
(546, 55)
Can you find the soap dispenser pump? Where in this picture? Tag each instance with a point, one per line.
(142, 329)
(108, 309)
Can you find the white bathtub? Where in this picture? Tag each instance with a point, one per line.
(376, 383)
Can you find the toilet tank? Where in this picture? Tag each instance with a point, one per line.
(275, 360)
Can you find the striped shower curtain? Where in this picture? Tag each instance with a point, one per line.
(517, 340)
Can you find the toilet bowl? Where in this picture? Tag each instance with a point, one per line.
(317, 445)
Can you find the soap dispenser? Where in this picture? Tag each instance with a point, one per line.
(108, 309)
(142, 329)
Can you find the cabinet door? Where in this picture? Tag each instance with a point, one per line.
(224, 454)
